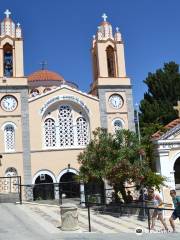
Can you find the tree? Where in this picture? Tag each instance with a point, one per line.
(116, 158)
(156, 109)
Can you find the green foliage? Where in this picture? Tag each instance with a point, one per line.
(163, 93)
(151, 179)
(117, 159)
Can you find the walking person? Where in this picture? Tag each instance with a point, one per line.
(157, 203)
(176, 212)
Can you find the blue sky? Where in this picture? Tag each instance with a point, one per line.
(60, 32)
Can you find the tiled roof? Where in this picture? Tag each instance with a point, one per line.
(45, 75)
(167, 127)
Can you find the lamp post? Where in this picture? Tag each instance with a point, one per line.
(137, 121)
(140, 156)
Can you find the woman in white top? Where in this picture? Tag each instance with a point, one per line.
(156, 201)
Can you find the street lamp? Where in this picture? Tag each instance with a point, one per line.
(137, 121)
(140, 156)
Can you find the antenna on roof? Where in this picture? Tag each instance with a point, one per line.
(43, 64)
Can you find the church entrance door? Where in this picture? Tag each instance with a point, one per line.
(69, 187)
(177, 174)
(43, 188)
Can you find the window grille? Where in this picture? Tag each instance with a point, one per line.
(82, 131)
(50, 133)
(66, 131)
(9, 138)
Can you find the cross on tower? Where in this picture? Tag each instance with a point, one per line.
(18, 25)
(104, 16)
(177, 108)
(7, 13)
(43, 64)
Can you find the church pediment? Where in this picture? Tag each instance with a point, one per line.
(173, 133)
(60, 89)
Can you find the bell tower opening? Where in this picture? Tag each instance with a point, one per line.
(110, 62)
(8, 60)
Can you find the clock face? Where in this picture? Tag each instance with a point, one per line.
(116, 101)
(8, 103)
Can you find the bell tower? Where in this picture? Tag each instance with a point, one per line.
(110, 83)
(11, 48)
(14, 112)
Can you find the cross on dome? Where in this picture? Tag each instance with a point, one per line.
(7, 13)
(43, 64)
(104, 16)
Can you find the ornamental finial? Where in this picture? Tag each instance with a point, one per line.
(7, 13)
(104, 16)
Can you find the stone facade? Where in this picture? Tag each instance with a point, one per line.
(46, 121)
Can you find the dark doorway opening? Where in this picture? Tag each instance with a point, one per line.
(177, 173)
(95, 192)
(43, 188)
(69, 186)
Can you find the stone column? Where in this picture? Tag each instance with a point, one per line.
(56, 191)
(82, 194)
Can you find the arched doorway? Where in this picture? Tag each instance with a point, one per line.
(69, 185)
(11, 180)
(43, 187)
(177, 174)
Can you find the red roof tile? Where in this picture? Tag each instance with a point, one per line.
(45, 75)
(167, 127)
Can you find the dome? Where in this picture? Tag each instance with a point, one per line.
(45, 75)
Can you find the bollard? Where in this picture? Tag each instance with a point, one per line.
(69, 217)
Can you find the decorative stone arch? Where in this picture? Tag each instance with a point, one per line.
(79, 136)
(116, 120)
(61, 99)
(11, 172)
(8, 123)
(175, 176)
(66, 170)
(173, 159)
(44, 172)
(44, 188)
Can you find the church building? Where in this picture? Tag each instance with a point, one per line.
(46, 121)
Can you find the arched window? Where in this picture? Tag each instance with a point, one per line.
(9, 137)
(110, 61)
(66, 131)
(117, 124)
(8, 60)
(50, 133)
(46, 90)
(82, 131)
(11, 172)
(34, 92)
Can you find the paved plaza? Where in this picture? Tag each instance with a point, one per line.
(27, 221)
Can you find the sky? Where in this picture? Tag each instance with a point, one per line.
(60, 32)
